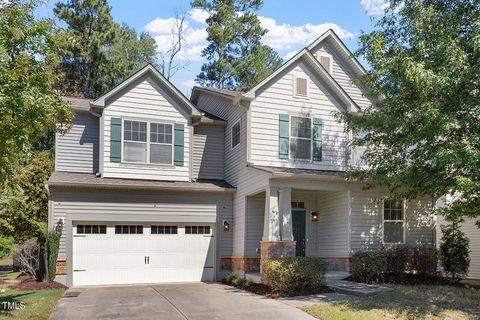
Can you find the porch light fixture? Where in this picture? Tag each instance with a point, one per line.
(226, 226)
(314, 216)
(59, 226)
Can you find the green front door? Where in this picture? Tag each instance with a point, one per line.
(298, 219)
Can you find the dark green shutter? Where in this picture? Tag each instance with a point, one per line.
(317, 139)
(283, 131)
(115, 139)
(178, 142)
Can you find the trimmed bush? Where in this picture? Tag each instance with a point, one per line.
(369, 266)
(424, 260)
(50, 245)
(398, 259)
(454, 252)
(291, 275)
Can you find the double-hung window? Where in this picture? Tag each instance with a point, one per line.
(135, 141)
(301, 138)
(393, 221)
(147, 142)
(161, 143)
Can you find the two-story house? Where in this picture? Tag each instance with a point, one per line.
(150, 186)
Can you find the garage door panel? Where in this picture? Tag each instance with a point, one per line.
(120, 258)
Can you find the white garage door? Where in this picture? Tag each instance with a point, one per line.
(142, 253)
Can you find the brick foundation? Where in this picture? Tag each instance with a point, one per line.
(338, 263)
(61, 267)
(240, 263)
(275, 249)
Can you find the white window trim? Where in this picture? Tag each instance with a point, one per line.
(290, 155)
(295, 88)
(404, 228)
(239, 122)
(327, 55)
(148, 122)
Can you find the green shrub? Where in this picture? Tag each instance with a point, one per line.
(398, 259)
(454, 252)
(237, 281)
(424, 260)
(6, 246)
(50, 241)
(294, 274)
(247, 283)
(230, 277)
(368, 266)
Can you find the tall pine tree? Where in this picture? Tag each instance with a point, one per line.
(236, 57)
(100, 53)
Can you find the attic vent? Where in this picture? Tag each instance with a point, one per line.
(326, 62)
(301, 87)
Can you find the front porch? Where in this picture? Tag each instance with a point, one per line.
(299, 218)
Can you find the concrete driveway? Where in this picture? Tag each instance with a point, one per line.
(171, 301)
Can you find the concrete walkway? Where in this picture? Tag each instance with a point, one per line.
(356, 288)
(171, 301)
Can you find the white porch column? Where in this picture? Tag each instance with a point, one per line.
(271, 224)
(286, 213)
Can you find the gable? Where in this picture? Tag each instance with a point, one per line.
(345, 68)
(316, 70)
(156, 80)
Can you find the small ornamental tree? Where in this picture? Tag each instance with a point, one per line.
(454, 251)
(50, 242)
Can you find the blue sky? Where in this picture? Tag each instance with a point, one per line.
(292, 25)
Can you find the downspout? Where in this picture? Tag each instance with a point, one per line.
(100, 140)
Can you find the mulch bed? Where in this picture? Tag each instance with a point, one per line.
(3, 282)
(25, 282)
(410, 279)
(264, 290)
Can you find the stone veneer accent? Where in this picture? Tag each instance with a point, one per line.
(240, 263)
(275, 249)
(61, 267)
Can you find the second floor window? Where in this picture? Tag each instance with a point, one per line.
(236, 134)
(145, 142)
(301, 138)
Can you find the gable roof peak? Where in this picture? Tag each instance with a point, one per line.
(157, 76)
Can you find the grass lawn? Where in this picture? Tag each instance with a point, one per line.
(405, 302)
(38, 304)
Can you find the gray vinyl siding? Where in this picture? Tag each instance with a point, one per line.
(208, 152)
(145, 101)
(254, 220)
(473, 233)
(247, 180)
(420, 224)
(367, 220)
(279, 99)
(343, 75)
(98, 202)
(332, 227)
(77, 149)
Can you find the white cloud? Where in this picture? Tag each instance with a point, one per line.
(192, 53)
(198, 15)
(374, 7)
(160, 26)
(194, 36)
(286, 36)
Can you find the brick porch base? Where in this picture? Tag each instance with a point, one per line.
(240, 263)
(61, 267)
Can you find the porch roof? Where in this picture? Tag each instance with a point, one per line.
(283, 172)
